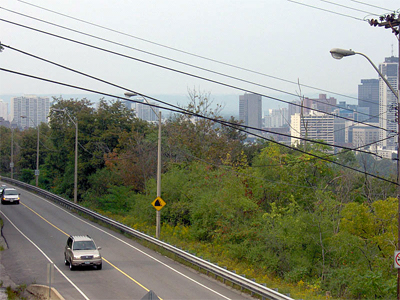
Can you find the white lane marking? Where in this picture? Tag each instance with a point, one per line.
(126, 243)
(48, 258)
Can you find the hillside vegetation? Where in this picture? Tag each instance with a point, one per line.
(308, 226)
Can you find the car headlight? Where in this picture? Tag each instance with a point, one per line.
(97, 256)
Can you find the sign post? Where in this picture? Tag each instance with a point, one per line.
(158, 203)
(50, 276)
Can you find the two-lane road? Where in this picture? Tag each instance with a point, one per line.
(36, 231)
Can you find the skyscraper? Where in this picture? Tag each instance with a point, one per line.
(33, 107)
(145, 112)
(368, 96)
(313, 126)
(3, 110)
(388, 101)
(250, 110)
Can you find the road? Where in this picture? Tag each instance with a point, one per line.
(36, 231)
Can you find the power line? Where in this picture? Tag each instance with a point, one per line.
(174, 60)
(327, 10)
(181, 72)
(168, 47)
(361, 2)
(360, 113)
(98, 79)
(348, 7)
(235, 126)
(126, 89)
(123, 88)
(176, 108)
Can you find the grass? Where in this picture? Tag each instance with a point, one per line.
(17, 293)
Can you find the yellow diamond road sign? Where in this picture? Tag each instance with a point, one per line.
(158, 203)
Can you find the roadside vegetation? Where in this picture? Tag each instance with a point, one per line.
(303, 225)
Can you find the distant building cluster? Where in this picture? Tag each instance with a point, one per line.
(369, 125)
(25, 112)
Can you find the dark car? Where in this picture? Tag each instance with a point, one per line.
(2, 187)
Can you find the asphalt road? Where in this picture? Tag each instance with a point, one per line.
(36, 232)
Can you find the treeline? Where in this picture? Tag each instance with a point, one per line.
(281, 212)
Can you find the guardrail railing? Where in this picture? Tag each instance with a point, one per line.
(254, 288)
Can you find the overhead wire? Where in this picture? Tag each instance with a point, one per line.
(181, 72)
(174, 49)
(180, 110)
(165, 103)
(370, 5)
(170, 59)
(315, 100)
(235, 126)
(348, 7)
(123, 88)
(289, 103)
(327, 10)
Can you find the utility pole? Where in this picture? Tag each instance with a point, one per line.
(391, 22)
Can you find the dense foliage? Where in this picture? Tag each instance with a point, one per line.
(281, 212)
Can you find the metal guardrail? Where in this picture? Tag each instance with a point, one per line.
(226, 275)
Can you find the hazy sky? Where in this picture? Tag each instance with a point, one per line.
(275, 38)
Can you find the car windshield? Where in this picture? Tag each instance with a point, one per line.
(10, 192)
(84, 245)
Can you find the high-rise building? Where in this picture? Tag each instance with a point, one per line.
(35, 109)
(364, 135)
(294, 107)
(322, 104)
(314, 126)
(250, 111)
(276, 118)
(368, 96)
(145, 112)
(388, 102)
(3, 110)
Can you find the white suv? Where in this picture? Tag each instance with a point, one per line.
(81, 250)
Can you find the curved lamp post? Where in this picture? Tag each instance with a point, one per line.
(76, 153)
(37, 150)
(158, 213)
(338, 53)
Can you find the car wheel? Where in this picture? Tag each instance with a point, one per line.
(66, 261)
(100, 266)
(71, 267)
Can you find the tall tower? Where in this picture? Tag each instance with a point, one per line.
(250, 110)
(368, 96)
(388, 101)
(33, 107)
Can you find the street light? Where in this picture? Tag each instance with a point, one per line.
(158, 213)
(76, 153)
(338, 53)
(37, 151)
